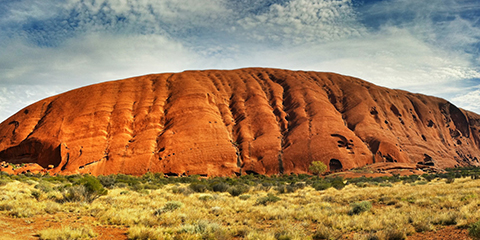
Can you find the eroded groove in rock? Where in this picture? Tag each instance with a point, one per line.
(263, 121)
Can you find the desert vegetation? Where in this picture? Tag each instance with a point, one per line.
(248, 207)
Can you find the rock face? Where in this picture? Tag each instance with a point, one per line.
(264, 121)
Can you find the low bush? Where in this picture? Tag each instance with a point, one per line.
(361, 184)
(244, 196)
(285, 189)
(168, 207)
(337, 182)
(3, 182)
(198, 187)
(450, 180)
(474, 230)
(385, 185)
(36, 194)
(107, 181)
(219, 186)
(319, 186)
(172, 205)
(205, 197)
(238, 190)
(428, 177)
(44, 186)
(86, 189)
(270, 198)
(359, 207)
(182, 190)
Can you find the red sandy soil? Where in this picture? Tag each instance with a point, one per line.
(446, 233)
(28, 228)
(264, 121)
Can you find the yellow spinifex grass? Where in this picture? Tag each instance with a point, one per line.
(67, 233)
(401, 209)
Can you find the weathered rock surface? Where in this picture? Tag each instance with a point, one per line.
(264, 121)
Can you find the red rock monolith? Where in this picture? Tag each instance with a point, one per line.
(221, 123)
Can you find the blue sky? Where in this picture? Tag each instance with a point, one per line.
(428, 46)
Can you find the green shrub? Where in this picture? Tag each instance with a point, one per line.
(361, 184)
(172, 205)
(270, 198)
(220, 187)
(265, 186)
(244, 196)
(198, 187)
(385, 185)
(319, 186)
(152, 186)
(36, 194)
(474, 230)
(428, 177)
(75, 194)
(205, 197)
(238, 190)
(317, 167)
(107, 181)
(169, 207)
(122, 180)
(337, 183)
(86, 189)
(3, 182)
(182, 190)
(359, 207)
(45, 187)
(286, 189)
(450, 180)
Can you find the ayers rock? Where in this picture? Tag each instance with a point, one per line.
(264, 121)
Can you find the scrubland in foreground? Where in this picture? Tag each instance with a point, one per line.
(299, 207)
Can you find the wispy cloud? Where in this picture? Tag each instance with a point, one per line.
(303, 21)
(422, 46)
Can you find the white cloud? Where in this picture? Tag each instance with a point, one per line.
(94, 57)
(16, 97)
(27, 72)
(149, 16)
(469, 100)
(392, 57)
(302, 21)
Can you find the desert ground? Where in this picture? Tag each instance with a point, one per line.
(441, 206)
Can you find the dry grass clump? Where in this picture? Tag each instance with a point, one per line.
(67, 233)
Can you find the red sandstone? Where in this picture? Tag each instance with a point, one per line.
(264, 121)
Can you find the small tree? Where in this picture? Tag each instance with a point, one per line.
(317, 167)
(85, 189)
